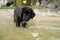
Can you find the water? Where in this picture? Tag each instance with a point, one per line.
(40, 28)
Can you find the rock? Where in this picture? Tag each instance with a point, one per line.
(43, 3)
(57, 5)
(37, 3)
(51, 6)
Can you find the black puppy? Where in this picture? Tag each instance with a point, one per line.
(22, 15)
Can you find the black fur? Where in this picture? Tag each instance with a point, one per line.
(22, 15)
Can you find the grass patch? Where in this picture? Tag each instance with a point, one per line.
(56, 1)
(34, 7)
(7, 7)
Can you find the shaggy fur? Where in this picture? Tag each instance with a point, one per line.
(22, 15)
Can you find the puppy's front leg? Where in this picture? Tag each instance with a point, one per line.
(24, 24)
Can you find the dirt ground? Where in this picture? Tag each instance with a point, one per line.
(39, 28)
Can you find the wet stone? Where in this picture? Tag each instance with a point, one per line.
(58, 6)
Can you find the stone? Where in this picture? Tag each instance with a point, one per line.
(51, 6)
(43, 2)
(57, 5)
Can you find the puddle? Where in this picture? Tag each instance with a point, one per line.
(40, 28)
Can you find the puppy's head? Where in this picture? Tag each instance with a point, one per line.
(28, 13)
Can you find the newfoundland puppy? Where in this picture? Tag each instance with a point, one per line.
(22, 15)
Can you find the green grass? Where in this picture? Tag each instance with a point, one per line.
(34, 7)
(18, 0)
(56, 1)
(7, 7)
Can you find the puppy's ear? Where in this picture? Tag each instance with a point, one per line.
(32, 15)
